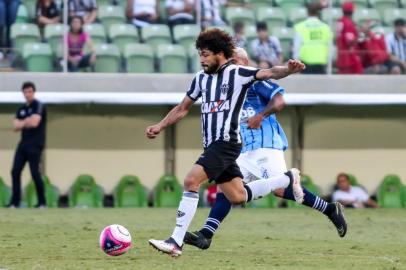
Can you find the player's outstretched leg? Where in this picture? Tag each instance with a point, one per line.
(334, 211)
(255, 190)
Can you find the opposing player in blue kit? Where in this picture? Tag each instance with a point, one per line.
(262, 156)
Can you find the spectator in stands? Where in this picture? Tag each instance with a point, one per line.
(8, 15)
(77, 40)
(210, 195)
(312, 41)
(266, 49)
(180, 11)
(142, 12)
(348, 56)
(239, 35)
(210, 13)
(396, 46)
(374, 55)
(30, 120)
(47, 13)
(351, 196)
(87, 9)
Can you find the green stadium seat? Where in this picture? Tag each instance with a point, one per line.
(22, 14)
(307, 183)
(108, 58)
(367, 14)
(85, 192)
(250, 33)
(382, 5)
(334, 13)
(383, 30)
(5, 193)
(130, 193)
(51, 194)
(96, 32)
(110, 15)
(227, 29)
(156, 34)
(359, 4)
(172, 58)
(255, 4)
(390, 15)
(38, 57)
(269, 201)
(30, 5)
(139, 58)
(239, 14)
(288, 5)
(168, 192)
(54, 36)
(297, 15)
(391, 192)
(353, 180)
(272, 16)
(185, 34)
(105, 2)
(194, 59)
(123, 34)
(23, 33)
(286, 36)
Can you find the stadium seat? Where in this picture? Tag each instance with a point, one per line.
(255, 4)
(108, 58)
(30, 5)
(359, 4)
(382, 30)
(172, 58)
(51, 194)
(96, 32)
(288, 5)
(239, 14)
(286, 36)
(54, 37)
(22, 14)
(227, 29)
(250, 34)
(23, 33)
(269, 201)
(110, 15)
(382, 5)
(194, 61)
(297, 15)
(168, 192)
(391, 192)
(353, 180)
(38, 57)
(156, 34)
(85, 192)
(307, 183)
(185, 34)
(272, 16)
(139, 58)
(123, 34)
(390, 15)
(367, 14)
(5, 193)
(130, 193)
(334, 13)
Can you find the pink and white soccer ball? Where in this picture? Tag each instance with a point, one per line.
(115, 240)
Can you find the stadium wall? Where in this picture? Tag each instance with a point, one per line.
(108, 141)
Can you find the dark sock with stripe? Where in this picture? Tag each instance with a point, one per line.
(311, 200)
(218, 212)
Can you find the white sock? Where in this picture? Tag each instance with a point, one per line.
(262, 187)
(186, 211)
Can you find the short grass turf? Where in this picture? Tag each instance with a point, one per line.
(248, 239)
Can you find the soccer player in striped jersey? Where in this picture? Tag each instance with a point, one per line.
(222, 86)
(264, 142)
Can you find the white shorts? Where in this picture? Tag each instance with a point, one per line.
(261, 163)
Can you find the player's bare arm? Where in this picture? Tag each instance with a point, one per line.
(275, 105)
(279, 72)
(174, 116)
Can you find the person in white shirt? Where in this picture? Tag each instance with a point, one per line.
(142, 12)
(351, 196)
(180, 11)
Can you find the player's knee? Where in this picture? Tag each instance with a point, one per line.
(191, 184)
(237, 197)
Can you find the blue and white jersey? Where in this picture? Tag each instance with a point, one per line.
(271, 134)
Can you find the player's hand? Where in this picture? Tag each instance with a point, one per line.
(153, 131)
(295, 66)
(255, 121)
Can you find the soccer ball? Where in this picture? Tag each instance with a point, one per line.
(115, 240)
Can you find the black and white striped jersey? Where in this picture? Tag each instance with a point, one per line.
(223, 94)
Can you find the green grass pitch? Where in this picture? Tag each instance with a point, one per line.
(248, 239)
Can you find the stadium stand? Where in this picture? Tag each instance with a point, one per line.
(123, 34)
(5, 193)
(130, 192)
(272, 16)
(51, 194)
(172, 58)
(156, 34)
(391, 192)
(85, 192)
(168, 192)
(96, 32)
(38, 57)
(108, 58)
(139, 58)
(24, 33)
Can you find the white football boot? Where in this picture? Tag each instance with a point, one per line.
(296, 186)
(168, 246)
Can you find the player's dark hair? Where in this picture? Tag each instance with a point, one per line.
(28, 85)
(262, 26)
(74, 18)
(216, 41)
(238, 26)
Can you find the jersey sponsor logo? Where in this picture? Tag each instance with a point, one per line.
(216, 106)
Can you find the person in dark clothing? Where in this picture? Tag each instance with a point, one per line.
(31, 121)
